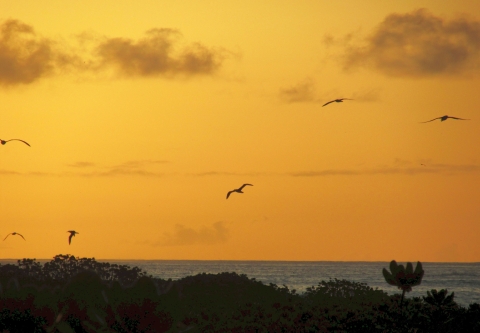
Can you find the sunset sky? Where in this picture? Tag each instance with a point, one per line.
(142, 115)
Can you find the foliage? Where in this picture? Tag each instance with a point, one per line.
(344, 293)
(440, 298)
(404, 278)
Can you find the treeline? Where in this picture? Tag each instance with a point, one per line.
(72, 294)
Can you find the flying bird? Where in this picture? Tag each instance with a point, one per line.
(238, 190)
(338, 100)
(443, 119)
(72, 233)
(5, 141)
(15, 233)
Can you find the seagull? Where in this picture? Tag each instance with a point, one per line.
(238, 190)
(72, 233)
(15, 233)
(443, 119)
(5, 141)
(338, 100)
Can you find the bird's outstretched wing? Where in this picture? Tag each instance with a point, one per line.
(228, 194)
(423, 122)
(338, 100)
(244, 186)
(21, 236)
(7, 236)
(458, 118)
(25, 142)
(70, 239)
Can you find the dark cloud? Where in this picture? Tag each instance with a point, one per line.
(25, 56)
(155, 55)
(182, 235)
(419, 44)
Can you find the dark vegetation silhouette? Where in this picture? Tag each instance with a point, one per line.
(70, 294)
(404, 278)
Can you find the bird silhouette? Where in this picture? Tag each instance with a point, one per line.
(238, 190)
(5, 141)
(72, 233)
(15, 233)
(338, 100)
(443, 118)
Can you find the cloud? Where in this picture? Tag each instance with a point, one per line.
(25, 57)
(129, 168)
(304, 92)
(135, 168)
(182, 235)
(418, 44)
(402, 170)
(301, 92)
(9, 172)
(224, 173)
(81, 164)
(142, 168)
(155, 55)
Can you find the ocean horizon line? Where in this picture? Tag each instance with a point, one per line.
(257, 260)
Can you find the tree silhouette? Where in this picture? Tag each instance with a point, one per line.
(404, 278)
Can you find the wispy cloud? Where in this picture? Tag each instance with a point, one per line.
(145, 168)
(81, 164)
(182, 235)
(299, 93)
(9, 172)
(225, 173)
(387, 170)
(419, 44)
(306, 92)
(134, 168)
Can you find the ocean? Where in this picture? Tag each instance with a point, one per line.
(461, 278)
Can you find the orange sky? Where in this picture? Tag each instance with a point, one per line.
(142, 115)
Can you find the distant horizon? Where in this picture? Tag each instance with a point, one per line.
(346, 261)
